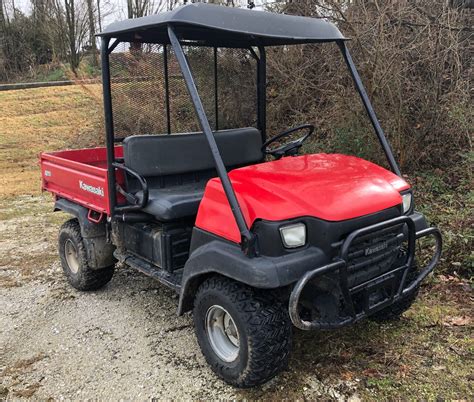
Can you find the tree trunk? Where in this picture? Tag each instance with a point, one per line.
(461, 3)
(71, 34)
(93, 47)
(99, 16)
(138, 8)
(130, 8)
(3, 60)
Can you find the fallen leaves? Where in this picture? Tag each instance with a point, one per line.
(457, 321)
(372, 373)
(449, 278)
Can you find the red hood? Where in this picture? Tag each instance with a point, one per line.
(332, 187)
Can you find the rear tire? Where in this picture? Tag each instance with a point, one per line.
(73, 254)
(244, 333)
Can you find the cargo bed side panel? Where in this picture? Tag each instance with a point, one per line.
(80, 183)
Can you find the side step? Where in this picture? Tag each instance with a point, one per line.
(172, 280)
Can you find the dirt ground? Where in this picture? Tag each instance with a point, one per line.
(125, 341)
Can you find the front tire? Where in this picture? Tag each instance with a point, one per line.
(244, 333)
(73, 254)
(395, 311)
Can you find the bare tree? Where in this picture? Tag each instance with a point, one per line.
(461, 3)
(414, 58)
(75, 29)
(170, 4)
(2, 41)
(92, 31)
(138, 8)
(230, 3)
(99, 16)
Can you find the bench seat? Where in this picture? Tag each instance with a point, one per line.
(177, 167)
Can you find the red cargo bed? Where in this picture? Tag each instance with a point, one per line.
(79, 175)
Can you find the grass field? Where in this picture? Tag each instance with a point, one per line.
(428, 354)
(42, 119)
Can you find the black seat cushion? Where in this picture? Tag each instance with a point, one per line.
(178, 166)
(161, 155)
(169, 204)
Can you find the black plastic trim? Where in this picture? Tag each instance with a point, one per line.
(88, 228)
(276, 267)
(319, 233)
(396, 277)
(212, 255)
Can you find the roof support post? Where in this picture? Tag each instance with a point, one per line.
(109, 124)
(167, 89)
(216, 90)
(248, 240)
(262, 92)
(368, 107)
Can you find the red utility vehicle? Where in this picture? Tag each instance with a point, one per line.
(252, 236)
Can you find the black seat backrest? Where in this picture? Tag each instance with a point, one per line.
(183, 156)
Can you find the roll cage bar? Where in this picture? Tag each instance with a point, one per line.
(248, 239)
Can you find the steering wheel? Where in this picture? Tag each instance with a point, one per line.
(292, 147)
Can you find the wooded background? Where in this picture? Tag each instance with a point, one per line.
(414, 56)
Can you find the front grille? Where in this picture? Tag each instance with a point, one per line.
(374, 254)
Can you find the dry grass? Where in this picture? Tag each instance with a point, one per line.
(42, 119)
(422, 356)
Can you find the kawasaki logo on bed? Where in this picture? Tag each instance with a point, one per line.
(91, 189)
(376, 248)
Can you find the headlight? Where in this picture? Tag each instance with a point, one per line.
(293, 235)
(407, 201)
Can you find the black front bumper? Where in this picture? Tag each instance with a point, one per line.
(395, 279)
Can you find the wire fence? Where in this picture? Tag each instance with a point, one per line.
(149, 94)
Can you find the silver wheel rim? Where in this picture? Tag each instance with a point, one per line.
(72, 259)
(223, 334)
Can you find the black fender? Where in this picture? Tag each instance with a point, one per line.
(100, 252)
(211, 255)
(227, 259)
(88, 228)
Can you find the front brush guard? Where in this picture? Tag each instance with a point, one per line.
(340, 265)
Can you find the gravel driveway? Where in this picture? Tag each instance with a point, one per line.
(122, 341)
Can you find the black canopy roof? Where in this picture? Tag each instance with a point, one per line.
(224, 26)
